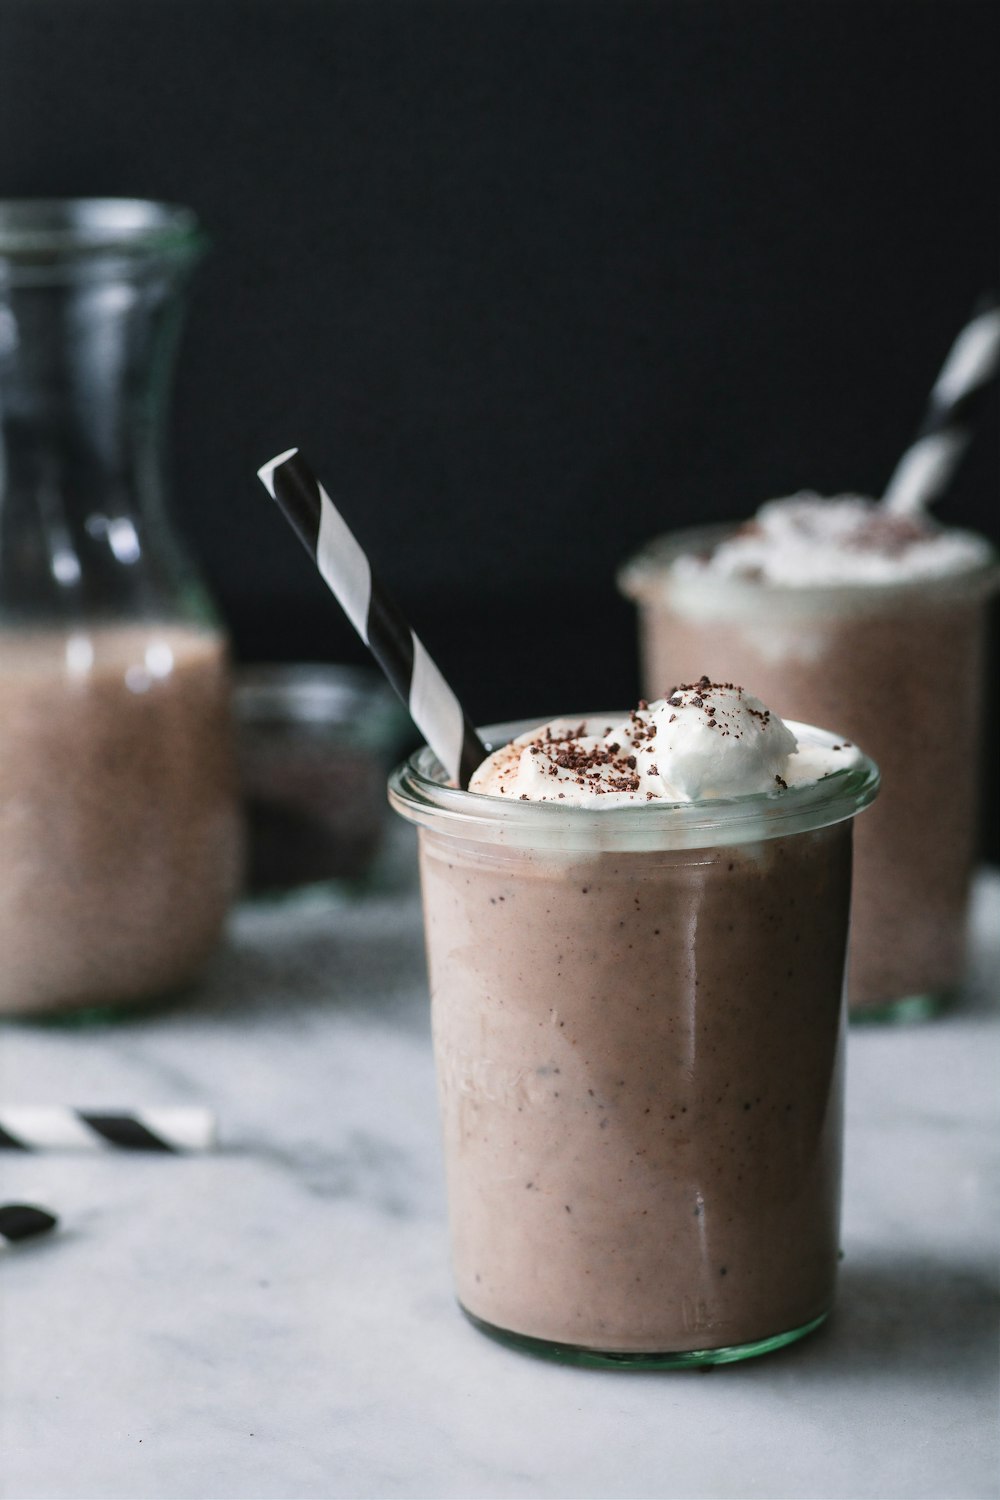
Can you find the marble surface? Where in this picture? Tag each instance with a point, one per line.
(276, 1319)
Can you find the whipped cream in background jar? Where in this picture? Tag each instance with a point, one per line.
(876, 624)
(636, 934)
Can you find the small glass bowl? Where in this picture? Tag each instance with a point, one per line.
(314, 744)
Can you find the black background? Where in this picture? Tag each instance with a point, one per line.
(529, 282)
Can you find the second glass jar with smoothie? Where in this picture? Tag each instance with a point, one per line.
(896, 664)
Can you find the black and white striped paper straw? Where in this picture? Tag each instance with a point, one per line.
(22, 1221)
(926, 468)
(347, 572)
(54, 1128)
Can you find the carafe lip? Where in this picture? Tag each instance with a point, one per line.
(39, 232)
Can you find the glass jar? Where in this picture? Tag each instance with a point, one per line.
(896, 667)
(118, 815)
(638, 1033)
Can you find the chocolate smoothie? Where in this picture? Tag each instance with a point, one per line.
(118, 817)
(875, 625)
(637, 1010)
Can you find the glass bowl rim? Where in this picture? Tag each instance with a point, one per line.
(42, 229)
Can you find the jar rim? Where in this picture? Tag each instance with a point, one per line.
(646, 579)
(418, 792)
(40, 231)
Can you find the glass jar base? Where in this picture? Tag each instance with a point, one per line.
(604, 1359)
(905, 1011)
(74, 1016)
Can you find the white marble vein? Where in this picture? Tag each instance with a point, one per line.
(276, 1319)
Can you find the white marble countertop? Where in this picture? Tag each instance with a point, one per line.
(276, 1319)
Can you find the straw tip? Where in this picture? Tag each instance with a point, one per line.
(266, 471)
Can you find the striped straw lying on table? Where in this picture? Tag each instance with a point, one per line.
(55, 1128)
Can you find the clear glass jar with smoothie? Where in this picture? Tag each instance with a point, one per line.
(636, 935)
(844, 614)
(118, 814)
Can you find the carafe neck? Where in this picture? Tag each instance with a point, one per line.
(91, 298)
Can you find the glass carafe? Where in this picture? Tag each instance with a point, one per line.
(119, 828)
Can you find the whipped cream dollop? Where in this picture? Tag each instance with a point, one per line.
(702, 739)
(806, 540)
